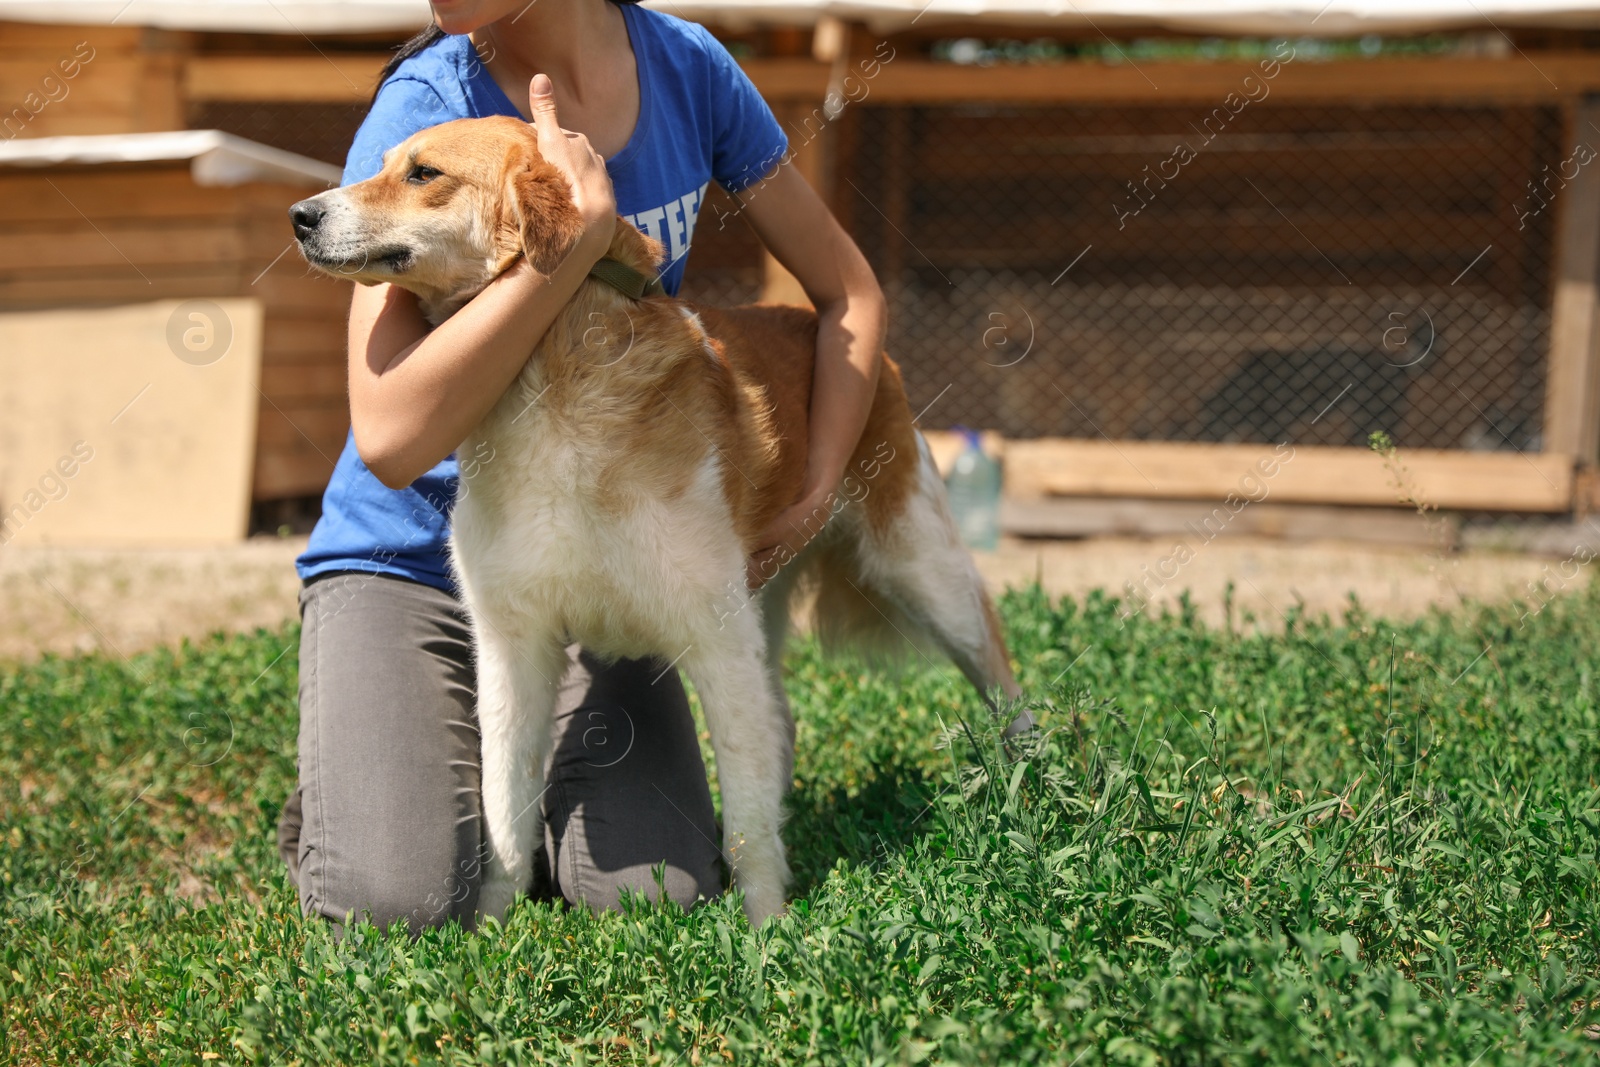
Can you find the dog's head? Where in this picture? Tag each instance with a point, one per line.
(453, 206)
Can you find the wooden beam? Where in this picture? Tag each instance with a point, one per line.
(1572, 378)
(1549, 76)
(807, 128)
(1490, 481)
(342, 77)
(1056, 517)
(350, 76)
(286, 472)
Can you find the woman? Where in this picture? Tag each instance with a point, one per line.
(385, 819)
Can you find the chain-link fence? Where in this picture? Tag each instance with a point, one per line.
(1305, 273)
(1311, 274)
(319, 130)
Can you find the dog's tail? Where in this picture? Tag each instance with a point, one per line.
(892, 596)
(910, 591)
(855, 618)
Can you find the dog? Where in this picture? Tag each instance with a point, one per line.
(615, 491)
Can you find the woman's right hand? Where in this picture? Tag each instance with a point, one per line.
(415, 394)
(573, 155)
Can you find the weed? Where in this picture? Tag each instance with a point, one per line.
(1350, 843)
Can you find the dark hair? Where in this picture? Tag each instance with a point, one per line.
(425, 38)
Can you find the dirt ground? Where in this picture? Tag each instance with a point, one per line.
(76, 600)
(1271, 576)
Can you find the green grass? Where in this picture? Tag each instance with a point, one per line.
(1359, 842)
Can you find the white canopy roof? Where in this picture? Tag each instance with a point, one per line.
(215, 158)
(1272, 18)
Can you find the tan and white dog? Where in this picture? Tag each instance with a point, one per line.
(617, 488)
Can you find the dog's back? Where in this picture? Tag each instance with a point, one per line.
(887, 573)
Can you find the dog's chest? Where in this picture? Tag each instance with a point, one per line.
(553, 518)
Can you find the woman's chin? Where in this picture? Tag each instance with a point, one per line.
(459, 16)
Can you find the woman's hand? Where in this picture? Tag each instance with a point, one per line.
(797, 227)
(789, 533)
(416, 393)
(573, 155)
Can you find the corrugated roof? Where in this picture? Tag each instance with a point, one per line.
(215, 158)
(1222, 17)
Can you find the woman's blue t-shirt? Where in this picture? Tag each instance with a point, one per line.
(700, 120)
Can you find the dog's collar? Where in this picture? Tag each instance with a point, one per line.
(624, 279)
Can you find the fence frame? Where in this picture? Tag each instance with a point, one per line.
(1560, 478)
(796, 86)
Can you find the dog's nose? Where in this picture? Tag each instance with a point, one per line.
(306, 216)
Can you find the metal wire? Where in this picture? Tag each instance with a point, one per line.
(1313, 274)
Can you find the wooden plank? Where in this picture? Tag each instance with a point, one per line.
(292, 286)
(131, 246)
(1114, 517)
(334, 77)
(83, 123)
(344, 76)
(1543, 77)
(280, 474)
(106, 83)
(316, 425)
(37, 197)
(1572, 381)
(292, 384)
(19, 38)
(1491, 481)
(112, 286)
(291, 338)
(897, 190)
(158, 99)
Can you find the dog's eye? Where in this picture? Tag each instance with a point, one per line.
(421, 175)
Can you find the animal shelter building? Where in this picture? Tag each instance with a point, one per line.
(1143, 245)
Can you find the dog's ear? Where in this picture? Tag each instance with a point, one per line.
(537, 216)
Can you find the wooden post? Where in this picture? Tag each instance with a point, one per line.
(806, 126)
(1572, 378)
(811, 136)
(158, 97)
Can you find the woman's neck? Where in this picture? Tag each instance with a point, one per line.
(575, 42)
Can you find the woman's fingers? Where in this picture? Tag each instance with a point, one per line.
(573, 155)
(542, 104)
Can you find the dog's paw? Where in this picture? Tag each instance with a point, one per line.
(495, 897)
(764, 881)
(761, 905)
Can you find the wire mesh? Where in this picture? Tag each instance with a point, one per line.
(1311, 274)
(318, 131)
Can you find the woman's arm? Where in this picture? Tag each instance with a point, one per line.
(415, 395)
(798, 229)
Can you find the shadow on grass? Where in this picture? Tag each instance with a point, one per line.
(863, 825)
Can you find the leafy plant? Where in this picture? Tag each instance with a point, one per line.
(1352, 842)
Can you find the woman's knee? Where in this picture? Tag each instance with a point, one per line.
(388, 756)
(628, 789)
(601, 890)
(423, 892)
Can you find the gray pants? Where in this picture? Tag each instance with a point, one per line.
(386, 817)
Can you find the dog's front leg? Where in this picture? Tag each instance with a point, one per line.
(750, 734)
(517, 682)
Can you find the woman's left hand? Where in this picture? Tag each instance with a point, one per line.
(787, 535)
(802, 234)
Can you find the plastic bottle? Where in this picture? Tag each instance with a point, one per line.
(974, 487)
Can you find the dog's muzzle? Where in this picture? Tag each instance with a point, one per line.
(330, 242)
(306, 216)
